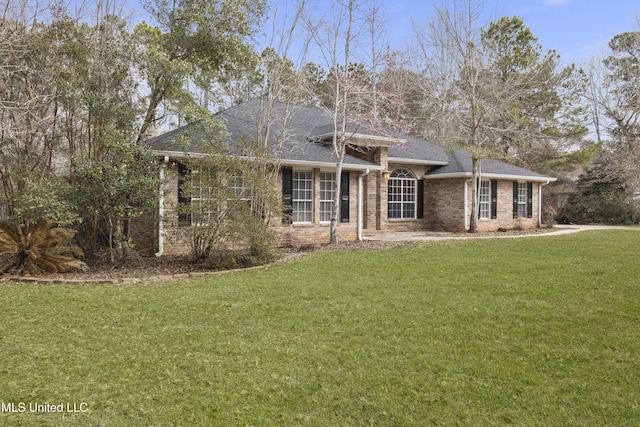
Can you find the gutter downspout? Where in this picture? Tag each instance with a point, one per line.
(161, 208)
(360, 201)
(540, 202)
(466, 204)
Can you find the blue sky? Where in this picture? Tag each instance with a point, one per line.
(576, 29)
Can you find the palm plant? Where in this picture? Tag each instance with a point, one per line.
(31, 249)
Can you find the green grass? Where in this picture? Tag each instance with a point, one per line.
(537, 331)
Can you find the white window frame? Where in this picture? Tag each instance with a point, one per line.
(203, 209)
(522, 199)
(201, 197)
(327, 192)
(402, 199)
(484, 199)
(302, 196)
(239, 186)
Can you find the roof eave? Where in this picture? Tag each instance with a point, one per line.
(329, 165)
(176, 154)
(504, 177)
(283, 162)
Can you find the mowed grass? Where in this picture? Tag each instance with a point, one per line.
(536, 331)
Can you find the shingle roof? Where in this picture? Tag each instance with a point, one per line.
(420, 150)
(241, 123)
(460, 165)
(350, 128)
(299, 148)
(413, 148)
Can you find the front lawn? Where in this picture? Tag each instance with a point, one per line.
(531, 331)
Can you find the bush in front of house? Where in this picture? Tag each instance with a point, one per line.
(600, 199)
(31, 249)
(227, 202)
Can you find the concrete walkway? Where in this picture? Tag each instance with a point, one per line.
(435, 235)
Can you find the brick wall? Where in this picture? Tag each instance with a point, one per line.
(143, 232)
(144, 229)
(444, 204)
(297, 235)
(174, 242)
(318, 232)
(288, 234)
(443, 210)
(505, 217)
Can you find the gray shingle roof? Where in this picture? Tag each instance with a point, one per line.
(418, 149)
(241, 123)
(413, 148)
(350, 128)
(306, 122)
(460, 165)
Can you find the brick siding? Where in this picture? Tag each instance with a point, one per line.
(444, 204)
(444, 210)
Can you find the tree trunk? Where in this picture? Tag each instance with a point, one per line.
(119, 235)
(335, 210)
(475, 179)
(157, 94)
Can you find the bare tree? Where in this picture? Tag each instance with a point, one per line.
(28, 99)
(490, 90)
(256, 160)
(614, 96)
(456, 69)
(280, 94)
(347, 40)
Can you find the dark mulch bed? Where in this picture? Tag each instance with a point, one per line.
(146, 268)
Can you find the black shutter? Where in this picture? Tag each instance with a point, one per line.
(494, 199)
(420, 199)
(344, 197)
(515, 199)
(184, 217)
(287, 194)
(529, 200)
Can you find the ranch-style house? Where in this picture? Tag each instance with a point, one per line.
(390, 182)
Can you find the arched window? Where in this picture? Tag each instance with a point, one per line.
(402, 195)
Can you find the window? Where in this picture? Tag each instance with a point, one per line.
(297, 196)
(402, 195)
(210, 195)
(203, 206)
(241, 197)
(196, 196)
(484, 198)
(522, 199)
(239, 186)
(302, 196)
(327, 192)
